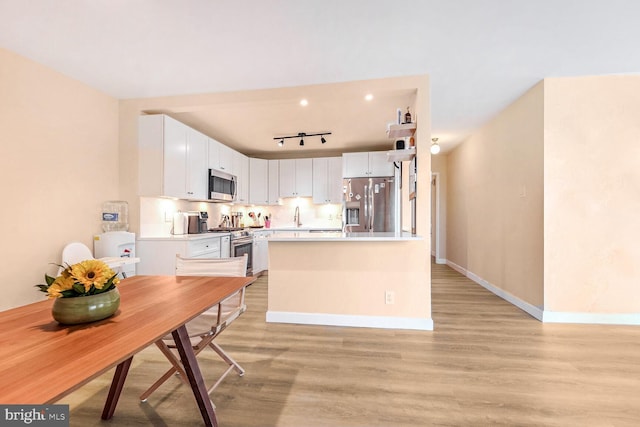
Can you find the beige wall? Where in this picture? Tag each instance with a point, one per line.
(58, 163)
(592, 194)
(439, 166)
(495, 200)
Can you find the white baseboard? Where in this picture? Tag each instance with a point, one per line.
(382, 322)
(591, 318)
(531, 309)
(547, 316)
(441, 261)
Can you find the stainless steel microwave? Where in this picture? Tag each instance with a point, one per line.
(222, 186)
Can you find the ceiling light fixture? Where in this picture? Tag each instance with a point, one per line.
(368, 97)
(435, 147)
(304, 102)
(302, 135)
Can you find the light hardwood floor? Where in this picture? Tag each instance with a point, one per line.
(486, 363)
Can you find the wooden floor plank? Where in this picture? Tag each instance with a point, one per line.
(486, 363)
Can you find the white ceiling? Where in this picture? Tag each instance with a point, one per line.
(480, 55)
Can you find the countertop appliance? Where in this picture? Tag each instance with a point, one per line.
(223, 187)
(371, 204)
(180, 224)
(197, 222)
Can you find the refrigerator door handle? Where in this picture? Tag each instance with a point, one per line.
(366, 207)
(371, 211)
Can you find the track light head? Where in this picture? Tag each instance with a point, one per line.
(301, 142)
(322, 140)
(281, 143)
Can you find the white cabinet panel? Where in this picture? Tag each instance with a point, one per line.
(296, 177)
(241, 170)
(258, 181)
(274, 182)
(172, 159)
(367, 164)
(379, 165)
(327, 180)
(220, 156)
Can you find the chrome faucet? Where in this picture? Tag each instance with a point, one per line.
(296, 216)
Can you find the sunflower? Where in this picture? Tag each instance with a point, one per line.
(90, 273)
(60, 285)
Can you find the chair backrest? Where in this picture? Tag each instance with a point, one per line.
(234, 267)
(74, 253)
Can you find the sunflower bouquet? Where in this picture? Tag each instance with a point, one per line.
(88, 277)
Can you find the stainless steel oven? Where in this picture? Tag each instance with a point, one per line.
(242, 243)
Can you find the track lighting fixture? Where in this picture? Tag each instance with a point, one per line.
(435, 147)
(302, 135)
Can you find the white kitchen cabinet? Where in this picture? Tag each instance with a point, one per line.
(260, 252)
(241, 170)
(274, 182)
(258, 181)
(225, 246)
(366, 164)
(327, 180)
(172, 159)
(220, 156)
(158, 256)
(296, 177)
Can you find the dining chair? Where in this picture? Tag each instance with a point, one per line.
(209, 325)
(74, 253)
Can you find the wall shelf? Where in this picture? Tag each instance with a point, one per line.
(401, 155)
(402, 130)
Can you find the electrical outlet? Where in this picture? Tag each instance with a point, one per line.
(389, 297)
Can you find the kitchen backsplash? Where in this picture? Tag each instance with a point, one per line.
(156, 214)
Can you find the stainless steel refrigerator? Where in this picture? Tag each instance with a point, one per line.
(371, 204)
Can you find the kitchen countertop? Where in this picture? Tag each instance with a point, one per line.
(304, 236)
(182, 237)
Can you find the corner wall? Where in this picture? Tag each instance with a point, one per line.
(592, 195)
(495, 202)
(58, 164)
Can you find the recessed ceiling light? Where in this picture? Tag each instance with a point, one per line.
(304, 102)
(368, 97)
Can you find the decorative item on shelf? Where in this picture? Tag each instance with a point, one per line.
(400, 144)
(435, 147)
(83, 292)
(407, 116)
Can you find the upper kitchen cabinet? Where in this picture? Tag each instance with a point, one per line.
(172, 159)
(367, 164)
(274, 182)
(258, 181)
(220, 156)
(241, 170)
(296, 177)
(327, 180)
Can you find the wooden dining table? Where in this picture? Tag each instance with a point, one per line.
(41, 361)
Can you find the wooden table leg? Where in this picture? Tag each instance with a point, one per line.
(188, 357)
(116, 388)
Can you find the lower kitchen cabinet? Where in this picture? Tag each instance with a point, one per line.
(260, 251)
(158, 256)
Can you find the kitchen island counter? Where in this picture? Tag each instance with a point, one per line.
(332, 236)
(378, 280)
